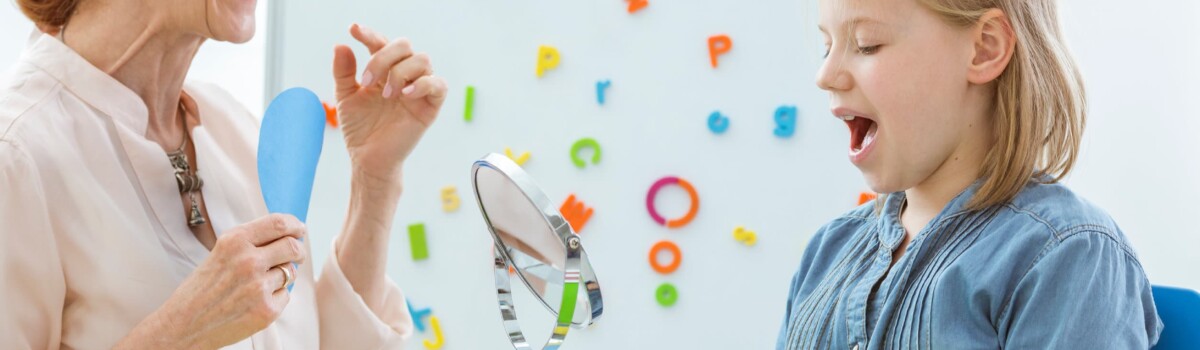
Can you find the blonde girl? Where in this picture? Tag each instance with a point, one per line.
(965, 113)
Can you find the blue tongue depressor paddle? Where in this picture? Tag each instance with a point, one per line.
(289, 145)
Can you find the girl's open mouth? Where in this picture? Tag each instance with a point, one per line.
(862, 134)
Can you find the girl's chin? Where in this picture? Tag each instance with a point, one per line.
(879, 183)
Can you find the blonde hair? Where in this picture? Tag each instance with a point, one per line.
(1040, 107)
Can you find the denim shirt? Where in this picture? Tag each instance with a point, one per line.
(1045, 270)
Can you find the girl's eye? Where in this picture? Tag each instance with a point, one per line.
(826, 55)
(867, 50)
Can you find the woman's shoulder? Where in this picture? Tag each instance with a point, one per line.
(32, 105)
(27, 98)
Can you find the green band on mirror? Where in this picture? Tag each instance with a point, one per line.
(567, 311)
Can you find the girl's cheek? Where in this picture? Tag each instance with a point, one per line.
(881, 87)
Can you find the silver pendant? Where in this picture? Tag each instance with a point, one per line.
(195, 218)
(179, 161)
(185, 179)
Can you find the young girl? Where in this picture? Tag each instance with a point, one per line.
(965, 113)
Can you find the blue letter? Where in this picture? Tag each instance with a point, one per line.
(717, 122)
(785, 121)
(600, 86)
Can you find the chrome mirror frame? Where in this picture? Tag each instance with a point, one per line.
(577, 271)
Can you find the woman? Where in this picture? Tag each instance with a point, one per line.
(131, 216)
(966, 113)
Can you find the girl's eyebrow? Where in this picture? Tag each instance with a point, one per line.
(853, 22)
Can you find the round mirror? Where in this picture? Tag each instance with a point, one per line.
(534, 243)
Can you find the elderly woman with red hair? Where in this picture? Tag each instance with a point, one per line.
(102, 245)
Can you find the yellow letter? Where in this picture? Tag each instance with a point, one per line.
(439, 339)
(745, 236)
(450, 200)
(547, 59)
(520, 160)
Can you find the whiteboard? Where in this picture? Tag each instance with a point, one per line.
(654, 124)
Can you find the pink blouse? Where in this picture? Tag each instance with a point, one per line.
(92, 235)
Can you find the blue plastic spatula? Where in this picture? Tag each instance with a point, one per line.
(289, 145)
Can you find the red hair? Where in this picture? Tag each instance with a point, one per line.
(48, 13)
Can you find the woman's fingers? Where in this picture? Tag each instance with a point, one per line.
(269, 228)
(280, 298)
(372, 40)
(430, 87)
(393, 67)
(345, 67)
(283, 250)
(406, 72)
(266, 308)
(376, 43)
(381, 62)
(275, 277)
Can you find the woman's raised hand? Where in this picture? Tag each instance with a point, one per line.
(384, 115)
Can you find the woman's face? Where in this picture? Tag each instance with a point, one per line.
(898, 73)
(229, 20)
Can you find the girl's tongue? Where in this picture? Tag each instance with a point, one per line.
(862, 133)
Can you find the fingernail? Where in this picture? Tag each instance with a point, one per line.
(408, 89)
(368, 78)
(387, 90)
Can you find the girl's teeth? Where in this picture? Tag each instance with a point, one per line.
(870, 137)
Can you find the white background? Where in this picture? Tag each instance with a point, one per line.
(1139, 159)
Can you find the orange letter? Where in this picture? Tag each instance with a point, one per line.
(635, 5)
(865, 197)
(717, 45)
(576, 213)
(330, 114)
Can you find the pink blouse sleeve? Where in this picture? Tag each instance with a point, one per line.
(346, 320)
(32, 288)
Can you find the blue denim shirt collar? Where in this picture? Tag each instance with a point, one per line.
(892, 232)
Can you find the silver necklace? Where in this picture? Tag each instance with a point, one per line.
(189, 182)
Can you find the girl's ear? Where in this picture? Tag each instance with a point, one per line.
(995, 43)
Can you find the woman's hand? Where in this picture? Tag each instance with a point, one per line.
(383, 118)
(234, 293)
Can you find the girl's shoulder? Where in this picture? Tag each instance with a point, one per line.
(1058, 213)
